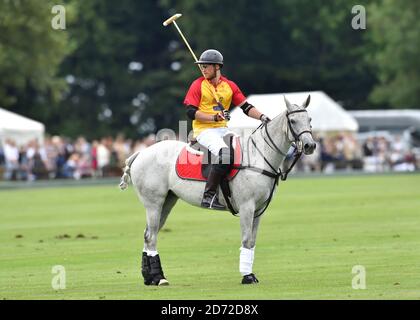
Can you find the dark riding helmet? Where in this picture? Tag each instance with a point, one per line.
(211, 56)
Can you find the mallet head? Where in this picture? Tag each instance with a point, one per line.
(172, 19)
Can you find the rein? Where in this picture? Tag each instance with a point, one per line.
(275, 174)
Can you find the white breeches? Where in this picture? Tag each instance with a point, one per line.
(212, 139)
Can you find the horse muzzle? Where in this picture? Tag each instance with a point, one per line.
(308, 144)
(309, 148)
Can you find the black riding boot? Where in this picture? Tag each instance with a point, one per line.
(210, 199)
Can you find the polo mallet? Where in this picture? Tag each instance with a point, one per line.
(172, 20)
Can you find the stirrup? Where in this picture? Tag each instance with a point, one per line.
(214, 203)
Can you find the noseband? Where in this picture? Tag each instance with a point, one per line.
(289, 124)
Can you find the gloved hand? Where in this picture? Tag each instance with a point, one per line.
(222, 115)
(264, 119)
(219, 117)
(226, 114)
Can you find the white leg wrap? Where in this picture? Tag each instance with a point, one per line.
(246, 260)
(151, 253)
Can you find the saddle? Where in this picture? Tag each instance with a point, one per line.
(193, 162)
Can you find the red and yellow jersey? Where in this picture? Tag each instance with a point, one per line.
(200, 95)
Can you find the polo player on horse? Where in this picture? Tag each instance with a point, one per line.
(210, 117)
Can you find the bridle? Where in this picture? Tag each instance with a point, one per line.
(289, 125)
(276, 174)
(296, 136)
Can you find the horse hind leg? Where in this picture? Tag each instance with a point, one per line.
(151, 265)
(170, 202)
(156, 217)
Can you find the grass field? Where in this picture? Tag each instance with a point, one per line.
(312, 235)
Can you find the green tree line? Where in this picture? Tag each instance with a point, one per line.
(115, 68)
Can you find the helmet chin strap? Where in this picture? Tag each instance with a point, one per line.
(216, 77)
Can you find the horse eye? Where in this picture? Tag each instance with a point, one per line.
(310, 119)
(292, 121)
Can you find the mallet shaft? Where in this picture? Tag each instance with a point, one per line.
(186, 42)
(172, 20)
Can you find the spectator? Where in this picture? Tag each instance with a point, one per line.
(103, 156)
(84, 167)
(1, 155)
(94, 157)
(352, 152)
(81, 146)
(37, 160)
(11, 157)
(70, 167)
(24, 169)
(327, 155)
(51, 153)
(39, 167)
(368, 147)
(122, 151)
(59, 157)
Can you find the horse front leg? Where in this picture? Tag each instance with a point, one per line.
(246, 257)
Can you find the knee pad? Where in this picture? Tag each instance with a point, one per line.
(225, 156)
(225, 161)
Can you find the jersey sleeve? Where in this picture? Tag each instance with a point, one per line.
(237, 95)
(193, 96)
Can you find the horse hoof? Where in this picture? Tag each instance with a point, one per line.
(147, 282)
(249, 279)
(157, 281)
(163, 282)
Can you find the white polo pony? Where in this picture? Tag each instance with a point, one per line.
(152, 172)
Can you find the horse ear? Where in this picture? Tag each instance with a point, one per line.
(288, 105)
(308, 100)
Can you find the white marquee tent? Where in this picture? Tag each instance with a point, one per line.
(19, 128)
(327, 115)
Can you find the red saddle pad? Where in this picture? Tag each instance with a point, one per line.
(188, 164)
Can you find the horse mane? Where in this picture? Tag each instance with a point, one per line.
(281, 114)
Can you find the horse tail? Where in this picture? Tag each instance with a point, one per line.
(126, 178)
